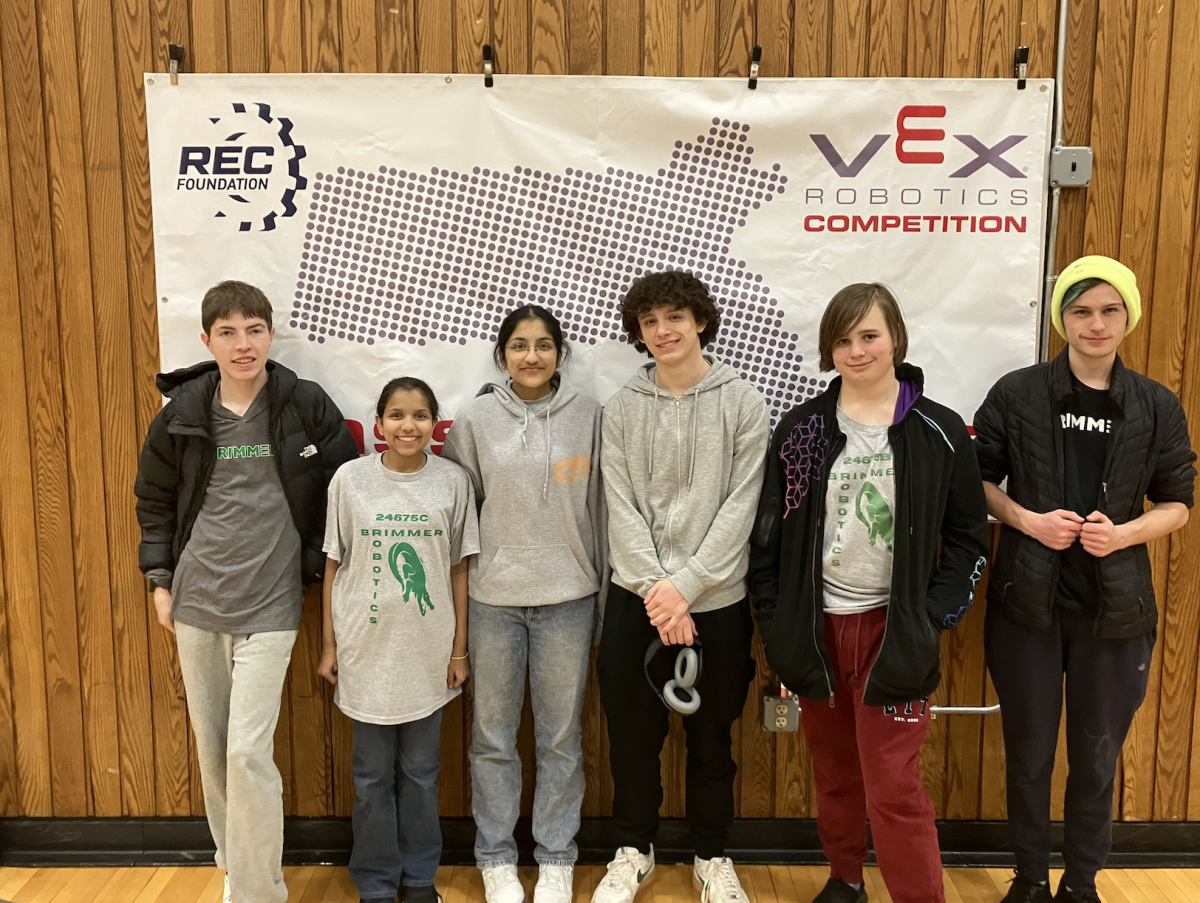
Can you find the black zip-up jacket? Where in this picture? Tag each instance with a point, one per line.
(938, 494)
(310, 441)
(1018, 434)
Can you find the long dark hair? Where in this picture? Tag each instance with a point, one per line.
(407, 383)
(518, 316)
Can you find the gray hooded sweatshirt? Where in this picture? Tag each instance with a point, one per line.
(682, 477)
(536, 469)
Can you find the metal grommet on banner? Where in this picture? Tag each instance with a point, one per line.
(755, 59)
(489, 65)
(176, 54)
(1021, 66)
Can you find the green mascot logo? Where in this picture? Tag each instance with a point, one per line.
(872, 509)
(407, 568)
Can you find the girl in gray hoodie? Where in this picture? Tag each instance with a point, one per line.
(532, 447)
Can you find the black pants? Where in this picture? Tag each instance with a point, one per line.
(638, 721)
(1106, 682)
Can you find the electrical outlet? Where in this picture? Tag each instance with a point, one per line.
(781, 713)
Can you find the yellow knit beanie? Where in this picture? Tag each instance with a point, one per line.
(1096, 266)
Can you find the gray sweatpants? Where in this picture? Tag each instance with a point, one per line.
(234, 683)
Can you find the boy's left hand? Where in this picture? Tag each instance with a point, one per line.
(457, 673)
(1099, 536)
(665, 604)
(668, 611)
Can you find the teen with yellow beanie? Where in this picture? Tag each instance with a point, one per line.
(1083, 442)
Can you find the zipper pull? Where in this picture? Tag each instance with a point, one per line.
(1104, 491)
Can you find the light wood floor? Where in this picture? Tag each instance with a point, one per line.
(460, 884)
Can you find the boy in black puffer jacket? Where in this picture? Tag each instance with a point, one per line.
(231, 491)
(1083, 442)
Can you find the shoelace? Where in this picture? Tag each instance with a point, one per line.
(556, 877)
(492, 877)
(723, 880)
(623, 867)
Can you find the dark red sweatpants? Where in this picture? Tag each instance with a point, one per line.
(866, 763)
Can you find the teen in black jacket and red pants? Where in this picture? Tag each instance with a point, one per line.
(1083, 442)
(861, 483)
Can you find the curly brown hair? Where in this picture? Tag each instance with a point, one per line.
(675, 289)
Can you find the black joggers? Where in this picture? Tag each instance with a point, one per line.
(1106, 682)
(638, 721)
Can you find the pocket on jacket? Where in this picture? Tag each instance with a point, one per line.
(545, 567)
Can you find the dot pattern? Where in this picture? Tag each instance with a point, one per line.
(397, 255)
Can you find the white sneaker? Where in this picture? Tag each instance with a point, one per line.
(226, 898)
(555, 884)
(626, 875)
(501, 884)
(717, 881)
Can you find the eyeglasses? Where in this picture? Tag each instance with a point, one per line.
(542, 348)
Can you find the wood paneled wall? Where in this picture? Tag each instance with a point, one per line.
(92, 713)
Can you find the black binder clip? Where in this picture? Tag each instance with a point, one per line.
(489, 65)
(175, 51)
(755, 59)
(1021, 66)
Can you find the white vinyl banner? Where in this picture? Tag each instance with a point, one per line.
(393, 220)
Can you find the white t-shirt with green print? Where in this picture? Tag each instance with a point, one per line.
(396, 536)
(859, 504)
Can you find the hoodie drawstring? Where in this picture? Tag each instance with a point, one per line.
(653, 422)
(525, 427)
(695, 419)
(546, 478)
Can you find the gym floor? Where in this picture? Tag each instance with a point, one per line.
(459, 884)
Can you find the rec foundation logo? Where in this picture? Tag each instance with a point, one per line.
(246, 169)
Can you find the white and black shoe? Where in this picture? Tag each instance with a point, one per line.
(717, 881)
(627, 874)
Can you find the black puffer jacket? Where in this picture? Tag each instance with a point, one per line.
(310, 439)
(1018, 435)
(938, 494)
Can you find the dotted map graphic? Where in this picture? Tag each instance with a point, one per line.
(442, 256)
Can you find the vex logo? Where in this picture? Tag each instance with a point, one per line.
(246, 169)
(911, 147)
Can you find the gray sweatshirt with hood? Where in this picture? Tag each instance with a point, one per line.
(536, 469)
(682, 477)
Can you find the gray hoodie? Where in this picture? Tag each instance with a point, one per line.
(536, 470)
(682, 477)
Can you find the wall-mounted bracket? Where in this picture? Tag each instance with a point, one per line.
(1021, 66)
(755, 60)
(489, 65)
(175, 52)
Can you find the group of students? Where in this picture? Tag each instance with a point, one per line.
(859, 527)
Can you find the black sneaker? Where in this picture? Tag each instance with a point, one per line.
(425, 894)
(838, 891)
(1068, 895)
(1024, 891)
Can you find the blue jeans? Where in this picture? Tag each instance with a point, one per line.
(554, 641)
(397, 835)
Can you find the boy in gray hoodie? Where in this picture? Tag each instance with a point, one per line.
(684, 443)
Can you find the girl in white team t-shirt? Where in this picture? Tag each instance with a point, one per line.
(401, 526)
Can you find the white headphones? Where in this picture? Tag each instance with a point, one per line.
(689, 665)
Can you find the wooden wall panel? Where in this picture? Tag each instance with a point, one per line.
(89, 680)
(18, 531)
(698, 35)
(92, 619)
(24, 79)
(1172, 327)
